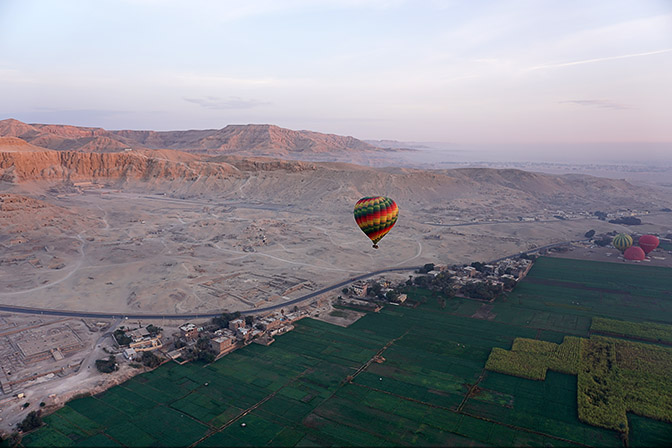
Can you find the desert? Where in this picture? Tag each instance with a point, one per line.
(150, 231)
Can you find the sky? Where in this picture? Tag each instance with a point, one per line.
(458, 71)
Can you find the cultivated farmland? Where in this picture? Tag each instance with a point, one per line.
(404, 376)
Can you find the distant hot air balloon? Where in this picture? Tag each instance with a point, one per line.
(648, 243)
(634, 253)
(622, 241)
(376, 215)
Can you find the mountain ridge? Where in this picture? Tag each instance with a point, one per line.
(249, 139)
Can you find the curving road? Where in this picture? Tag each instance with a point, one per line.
(102, 315)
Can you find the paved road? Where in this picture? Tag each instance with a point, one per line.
(102, 315)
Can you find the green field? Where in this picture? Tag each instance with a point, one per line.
(313, 387)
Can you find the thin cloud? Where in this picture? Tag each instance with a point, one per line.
(590, 61)
(602, 104)
(232, 102)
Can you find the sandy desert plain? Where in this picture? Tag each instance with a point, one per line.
(174, 233)
(125, 250)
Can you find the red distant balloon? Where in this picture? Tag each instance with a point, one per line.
(634, 253)
(648, 243)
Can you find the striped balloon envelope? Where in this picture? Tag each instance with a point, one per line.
(376, 215)
(622, 241)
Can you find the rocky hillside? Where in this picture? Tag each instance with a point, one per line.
(17, 167)
(252, 139)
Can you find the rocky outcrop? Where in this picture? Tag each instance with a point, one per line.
(74, 166)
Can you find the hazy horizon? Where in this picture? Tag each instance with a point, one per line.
(514, 72)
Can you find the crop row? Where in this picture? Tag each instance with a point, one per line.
(649, 331)
(530, 358)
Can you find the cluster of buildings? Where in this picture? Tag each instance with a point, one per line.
(142, 340)
(503, 274)
(220, 341)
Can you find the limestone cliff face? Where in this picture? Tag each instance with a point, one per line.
(70, 165)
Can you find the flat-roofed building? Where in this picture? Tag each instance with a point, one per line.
(221, 344)
(236, 324)
(189, 331)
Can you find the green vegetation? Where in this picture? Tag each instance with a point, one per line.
(149, 359)
(614, 376)
(154, 330)
(108, 365)
(482, 290)
(223, 320)
(120, 336)
(649, 331)
(33, 420)
(529, 358)
(315, 387)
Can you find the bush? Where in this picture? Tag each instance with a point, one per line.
(121, 338)
(150, 360)
(108, 365)
(590, 233)
(33, 420)
(426, 268)
(603, 242)
(154, 330)
(207, 356)
(223, 320)
(482, 290)
(626, 220)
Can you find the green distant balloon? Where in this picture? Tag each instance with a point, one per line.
(622, 241)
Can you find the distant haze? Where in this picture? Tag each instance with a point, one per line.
(583, 153)
(543, 74)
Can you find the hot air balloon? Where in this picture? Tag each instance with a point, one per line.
(376, 215)
(648, 243)
(634, 253)
(622, 241)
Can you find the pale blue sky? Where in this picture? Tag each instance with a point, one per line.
(501, 71)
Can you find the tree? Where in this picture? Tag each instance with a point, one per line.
(602, 242)
(627, 220)
(249, 320)
(345, 290)
(374, 289)
(600, 215)
(154, 330)
(203, 343)
(422, 281)
(207, 356)
(33, 420)
(108, 365)
(223, 320)
(590, 233)
(480, 267)
(482, 290)
(121, 338)
(426, 268)
(150, 359)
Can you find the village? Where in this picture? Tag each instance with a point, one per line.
(209, 341)
(39, 351)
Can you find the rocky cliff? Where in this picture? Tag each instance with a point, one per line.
(70, 165)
